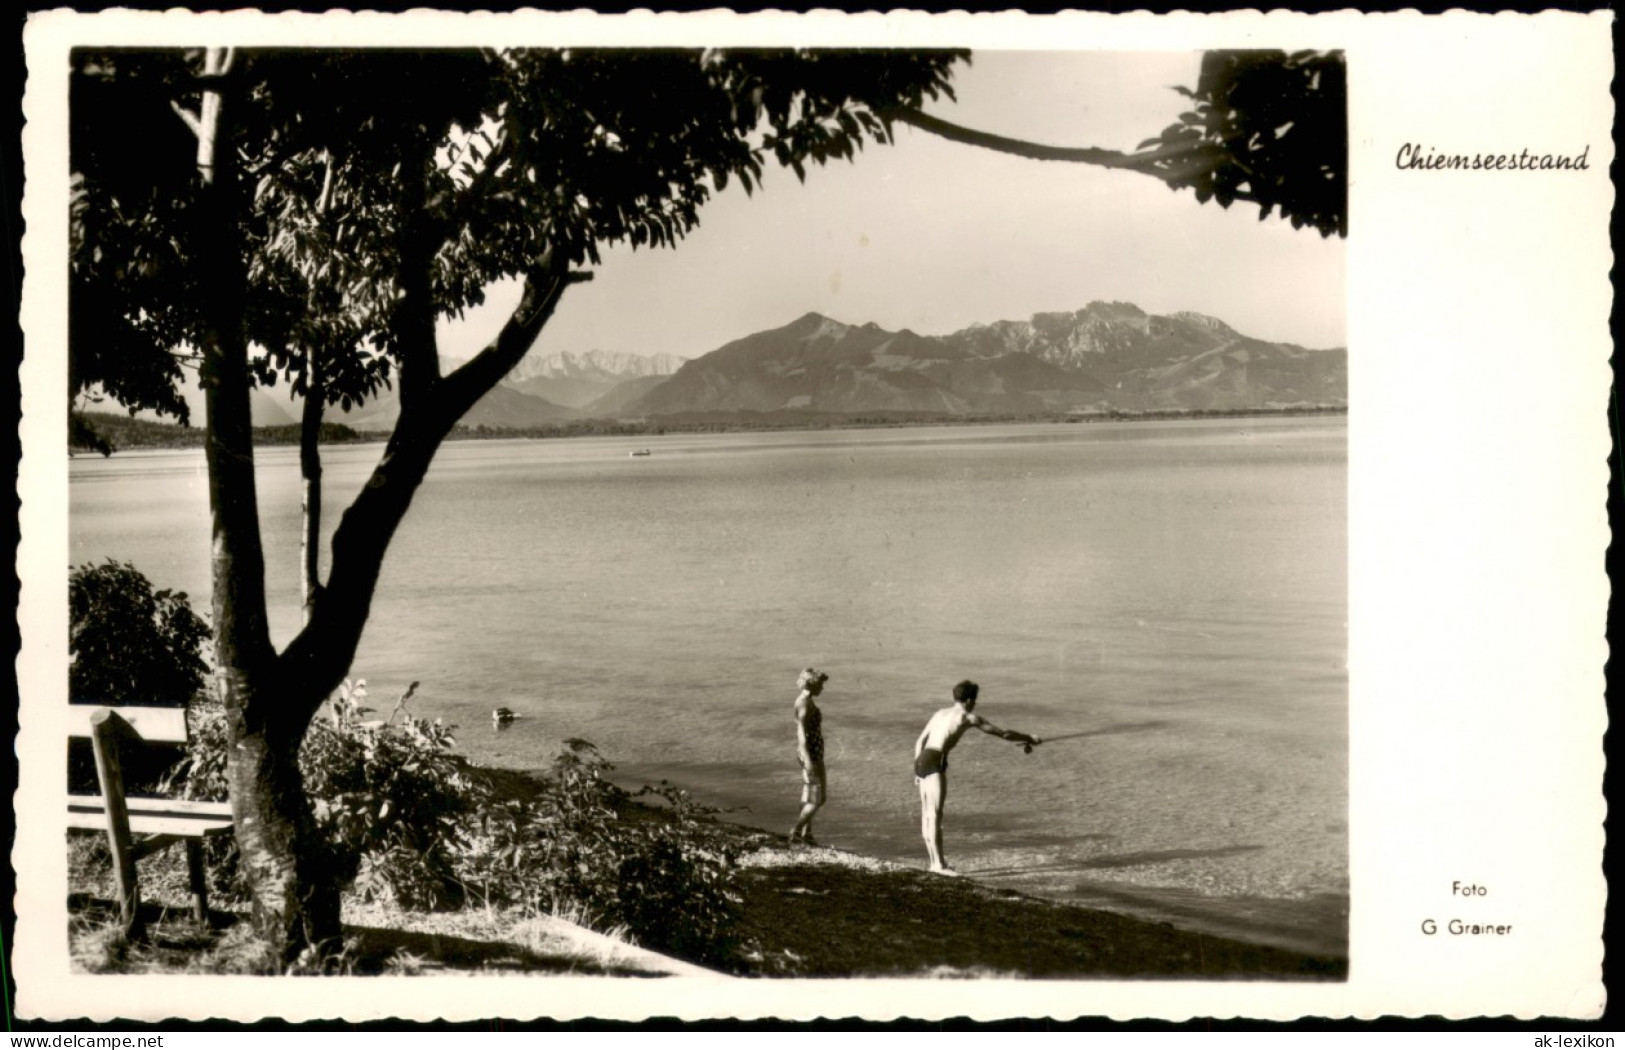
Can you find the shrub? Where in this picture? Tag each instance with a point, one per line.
(408, 822)
(677, 890)
(405, 820)
(391, 799)
(131, 644)
(579, 847)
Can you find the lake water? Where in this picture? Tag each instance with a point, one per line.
(1169, 597)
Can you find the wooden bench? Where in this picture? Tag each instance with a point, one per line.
(137, 826)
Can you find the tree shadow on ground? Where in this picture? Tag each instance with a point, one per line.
(1162, 856)
(1122, 860)
(412, 952)
(172, 941)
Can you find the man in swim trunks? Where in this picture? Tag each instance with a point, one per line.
(810, 750)
(940, 735)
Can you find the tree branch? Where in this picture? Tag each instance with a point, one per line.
(1145, 163)
(544, 287)
(310, 475)
(191, 119)
(412, 327)
(320, 656)
(324, 200)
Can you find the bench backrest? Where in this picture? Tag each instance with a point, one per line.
(156, 725)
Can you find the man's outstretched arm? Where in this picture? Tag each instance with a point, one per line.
(1004, 734)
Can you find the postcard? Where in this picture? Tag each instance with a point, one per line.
(545, 504)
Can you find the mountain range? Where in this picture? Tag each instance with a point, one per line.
(541, 392)
(1106, 356)
(578, 380)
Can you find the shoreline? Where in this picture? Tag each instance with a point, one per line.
(828, 912)
(799, 912)
(1312, 922)
(1279, 924)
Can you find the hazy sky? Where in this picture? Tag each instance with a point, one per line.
(934, 236)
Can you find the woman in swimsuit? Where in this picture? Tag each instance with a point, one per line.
(810, 750)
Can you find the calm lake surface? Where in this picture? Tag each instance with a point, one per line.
(1169, 597)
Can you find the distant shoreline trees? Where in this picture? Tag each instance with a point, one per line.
(126, 434)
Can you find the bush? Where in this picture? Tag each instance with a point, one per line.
(678, 888)
(404, 820)
(391, 799)
(408, 822)
(129, 643)
(581, 847)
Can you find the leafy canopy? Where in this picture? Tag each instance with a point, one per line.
(357, 163)
(1267, 127)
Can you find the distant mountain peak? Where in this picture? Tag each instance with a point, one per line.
(1204, 321)
(1107, 355)
(813, 325)
(596, 365)
(1114, 307)
(613, 363)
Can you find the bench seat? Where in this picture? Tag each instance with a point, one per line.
(154, 816)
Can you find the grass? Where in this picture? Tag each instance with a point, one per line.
(173, 942)
(378, 940)
(375, 943)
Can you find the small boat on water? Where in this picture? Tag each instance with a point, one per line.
(503, 716)
(640, 452)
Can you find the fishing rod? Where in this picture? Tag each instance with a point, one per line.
(1071, 736)
(1027, 746)
(1106, 731)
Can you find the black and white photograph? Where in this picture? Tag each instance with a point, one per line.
(561, 506)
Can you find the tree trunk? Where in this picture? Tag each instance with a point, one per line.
(269, 698)
(296, 901)
(310, 476)
(295, 904)
(310, 431)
